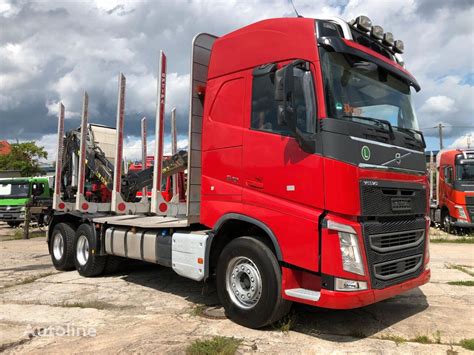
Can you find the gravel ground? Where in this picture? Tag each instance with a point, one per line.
(146, 308)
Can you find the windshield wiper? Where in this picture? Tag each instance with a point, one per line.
(379, 123)
(412, 133)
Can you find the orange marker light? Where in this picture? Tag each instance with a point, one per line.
(200, 261)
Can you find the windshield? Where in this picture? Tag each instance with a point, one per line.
(14, 189)
(465, 172)
(357, 89)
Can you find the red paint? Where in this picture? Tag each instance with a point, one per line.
(85, 206)
(448, 195)
(249, 172)
(163, 207)
(61, 205)
(121, 206)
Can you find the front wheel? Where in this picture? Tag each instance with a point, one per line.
(447, 222)
(87, 262)
(249, 283)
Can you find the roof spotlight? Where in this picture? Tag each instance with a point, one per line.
(363, 23)
(398, 46)
(376, 32)
(388, 38)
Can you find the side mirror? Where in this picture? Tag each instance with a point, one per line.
(284, 96)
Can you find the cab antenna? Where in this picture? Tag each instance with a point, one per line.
(294, 8)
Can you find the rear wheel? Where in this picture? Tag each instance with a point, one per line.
(61, 247)
(249, 283)
(87, 262)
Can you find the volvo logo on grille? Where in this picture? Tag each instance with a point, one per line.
(401, 204)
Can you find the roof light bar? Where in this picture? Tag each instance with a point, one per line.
(364, 23)
(388, 39)
(398, 46)
(376, 32)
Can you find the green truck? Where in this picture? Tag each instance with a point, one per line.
(16, 193)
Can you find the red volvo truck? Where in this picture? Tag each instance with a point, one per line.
(452, 182)
(305, 175)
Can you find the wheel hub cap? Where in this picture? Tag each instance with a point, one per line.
(82, 250)
(58, 246)
(243, 282)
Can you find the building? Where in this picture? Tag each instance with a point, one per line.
(5, 148)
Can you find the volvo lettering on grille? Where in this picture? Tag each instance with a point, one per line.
(401, 204)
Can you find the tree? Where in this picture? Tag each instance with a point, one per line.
(23, 157)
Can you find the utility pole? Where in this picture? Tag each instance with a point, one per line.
(440, 127)
(468, 139)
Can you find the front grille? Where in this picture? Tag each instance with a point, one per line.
(389, 198)
(470, 210)
(396, 240)
(393, 269)
(394, 248)
(9, 209)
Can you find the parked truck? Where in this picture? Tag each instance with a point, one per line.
(305, 175)
(452, 194)
(16, 193)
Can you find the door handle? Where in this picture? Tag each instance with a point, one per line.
(254, 184)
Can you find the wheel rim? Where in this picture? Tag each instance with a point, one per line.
(243, 282)
(82, 250)
(58, 246)
(446, 223)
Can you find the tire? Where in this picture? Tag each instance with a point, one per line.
(61, 247)
(259, 276)
(87, 263)
(13, 224)
(446, 222)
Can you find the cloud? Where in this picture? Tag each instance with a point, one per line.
(465, 141)
(62, 48)
(439, 105)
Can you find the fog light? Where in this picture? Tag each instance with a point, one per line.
(364, 23)
(388, 38)
(349, 285)
(377, 32)
(398, 46)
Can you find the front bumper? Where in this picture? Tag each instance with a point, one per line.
(462, 224)
(12, 216)
(355, 299)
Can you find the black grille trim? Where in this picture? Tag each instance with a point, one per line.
(397, 268)
(376, 258)
(387, 242)
(392, 198)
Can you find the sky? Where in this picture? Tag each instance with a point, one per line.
(51, 51)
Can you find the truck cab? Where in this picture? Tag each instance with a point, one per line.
(15, 193)
(310, 132)
(454, 205)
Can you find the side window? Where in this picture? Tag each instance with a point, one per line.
(264, 106)
(448, 175)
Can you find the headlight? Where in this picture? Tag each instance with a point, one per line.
(351, 260)
(461, 212)
(364, 23)
(22, 209)
(349, 244)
